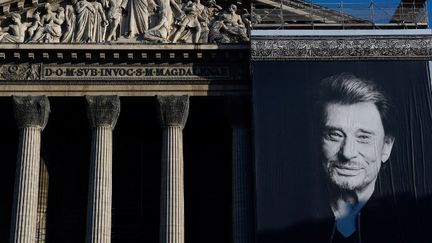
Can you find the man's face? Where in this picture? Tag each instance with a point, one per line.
(354, 144)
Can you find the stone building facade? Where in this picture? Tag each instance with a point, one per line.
(116, 162)
(152, 98)
(132, 118)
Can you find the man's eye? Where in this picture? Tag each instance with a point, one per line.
(334, 135)
(364, 138)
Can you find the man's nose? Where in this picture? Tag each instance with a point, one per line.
(348, 149)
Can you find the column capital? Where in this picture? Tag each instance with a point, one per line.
(173, 110)
(31, 111)
(238, 109)
(103, 110)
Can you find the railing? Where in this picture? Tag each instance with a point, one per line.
(342, 14)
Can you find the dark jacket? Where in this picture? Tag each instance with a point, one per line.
(379, 221)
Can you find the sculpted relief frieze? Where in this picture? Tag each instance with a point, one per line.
(354, 47)
(128, 21)
(20, 72)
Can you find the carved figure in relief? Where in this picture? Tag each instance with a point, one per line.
(70, 20)
(35, 25)
(216, 34)
(85, 19)
(246, 18)
(101, 23)
(137, 20)
(207, 18)
(51, 30)
(114, 17)
(192, 10)
(34, 72)
(162, 30)
(229, 27)
(234, 23)
(16, 31)
(211, 10)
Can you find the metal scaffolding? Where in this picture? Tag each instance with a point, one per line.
(321, 14)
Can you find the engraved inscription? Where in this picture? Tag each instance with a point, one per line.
(134, 72)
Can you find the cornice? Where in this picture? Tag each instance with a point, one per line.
(114, 53)
(342, 47)
(119, 46)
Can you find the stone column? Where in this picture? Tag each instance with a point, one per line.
(42, 203)
(31, 114)
(173, 113)
(102, 112)
(242, 184)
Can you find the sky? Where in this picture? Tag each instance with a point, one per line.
(378, 11)
(430, 15)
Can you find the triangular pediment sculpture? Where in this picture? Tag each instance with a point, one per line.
(124, 21)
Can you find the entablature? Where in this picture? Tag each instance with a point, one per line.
(124, 70)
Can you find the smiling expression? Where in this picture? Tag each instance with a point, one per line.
(354, 144)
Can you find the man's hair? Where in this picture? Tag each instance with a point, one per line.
(347, 89)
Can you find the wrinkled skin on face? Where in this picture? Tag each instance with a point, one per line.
(354, 145)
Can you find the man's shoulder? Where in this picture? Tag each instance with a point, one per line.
(394, 219)
(306, 232)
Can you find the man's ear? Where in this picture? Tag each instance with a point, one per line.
(387, 148)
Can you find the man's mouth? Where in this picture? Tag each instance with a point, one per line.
(345, 170)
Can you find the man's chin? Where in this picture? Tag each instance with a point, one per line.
(348, 183)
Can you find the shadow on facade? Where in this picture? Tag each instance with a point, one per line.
(136, 170)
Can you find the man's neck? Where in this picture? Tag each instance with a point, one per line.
(356, 197)
(346, 206)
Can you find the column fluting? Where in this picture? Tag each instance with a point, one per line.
(103, 112)
(242, 184)
(42, 202)
(173, 113)
(31, 114)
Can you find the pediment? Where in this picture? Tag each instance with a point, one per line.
(124, 21)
